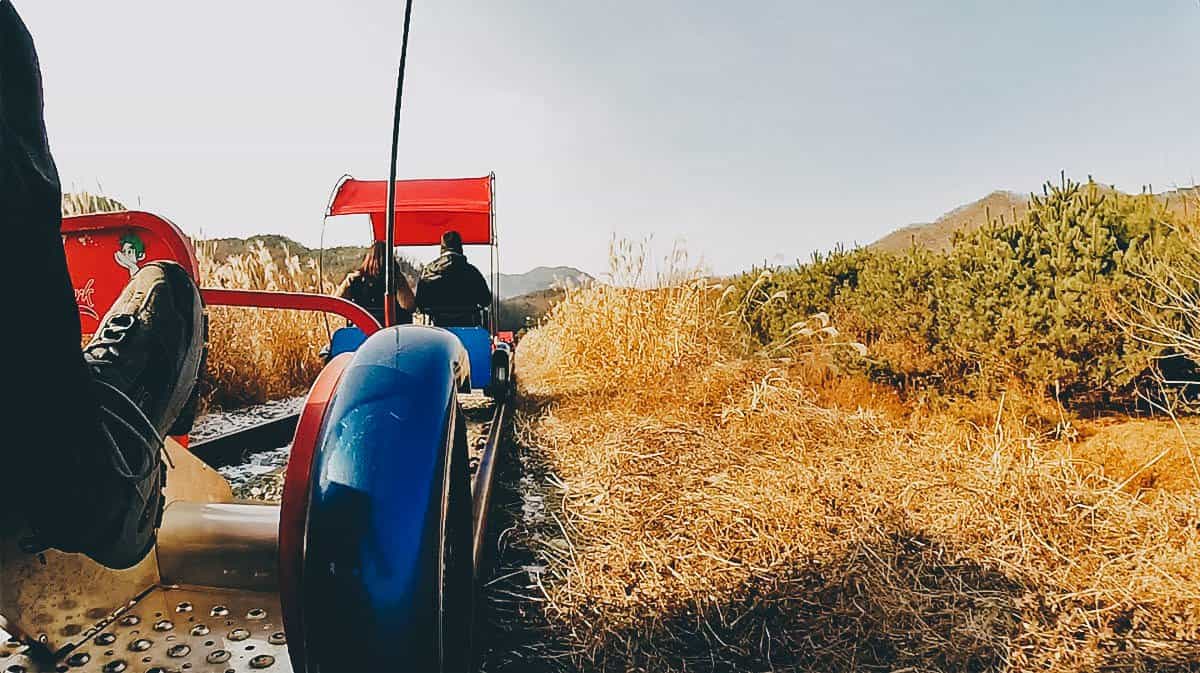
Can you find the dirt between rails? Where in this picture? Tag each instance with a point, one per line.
(260, 477)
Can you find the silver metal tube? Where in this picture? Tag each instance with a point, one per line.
(222, 545)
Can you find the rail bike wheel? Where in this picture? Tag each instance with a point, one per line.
(456, 605)
(501, 380)
(387, 569)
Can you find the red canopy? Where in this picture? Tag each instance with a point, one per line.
(425, 209)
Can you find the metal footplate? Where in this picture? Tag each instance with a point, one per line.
(176, 629)
(80, 616)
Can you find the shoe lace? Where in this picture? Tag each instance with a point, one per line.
(119, 412)
(103, 351)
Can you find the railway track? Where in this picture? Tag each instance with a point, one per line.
(253, 457)
(253, 453)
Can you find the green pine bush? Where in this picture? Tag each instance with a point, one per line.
(1027, 302)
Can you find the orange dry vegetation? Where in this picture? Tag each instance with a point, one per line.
(692, 505)
(255, 355)
(1144, 454)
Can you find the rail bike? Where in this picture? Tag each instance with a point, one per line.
(372, 557)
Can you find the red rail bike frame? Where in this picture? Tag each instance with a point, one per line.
(104, 249)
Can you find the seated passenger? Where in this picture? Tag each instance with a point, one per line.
(365, 286)
(451, 290)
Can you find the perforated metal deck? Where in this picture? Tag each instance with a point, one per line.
(176, 629)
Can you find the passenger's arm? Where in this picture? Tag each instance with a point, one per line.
(404, 294)
(421, 296)
(343, 290)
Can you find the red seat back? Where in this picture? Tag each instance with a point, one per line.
(105, 249)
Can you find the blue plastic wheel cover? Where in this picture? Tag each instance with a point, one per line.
(374, 517)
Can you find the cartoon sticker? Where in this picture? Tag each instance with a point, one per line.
(132, 251)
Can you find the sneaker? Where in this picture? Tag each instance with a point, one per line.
(150, 343)
(146, 359)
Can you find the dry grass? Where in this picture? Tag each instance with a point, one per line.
(1146, 454)
(255, 355)
(691, 507)
(82, 203)
(642, 336)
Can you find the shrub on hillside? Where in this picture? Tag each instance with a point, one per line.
(1027, 301)
(807, 289)
(1020, 302)
(894, 310)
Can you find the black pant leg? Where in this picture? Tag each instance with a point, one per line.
(49, 416)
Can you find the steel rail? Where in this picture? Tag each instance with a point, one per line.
(232, 447)
(481, 487)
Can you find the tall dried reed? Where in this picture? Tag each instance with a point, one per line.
(647, 331)
(82, 203)
(259, 354)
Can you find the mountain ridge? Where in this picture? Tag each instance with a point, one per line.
(938, 235)
(541, 278)
(337, 261)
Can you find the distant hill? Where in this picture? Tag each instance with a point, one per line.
(1183, 200)
(523, 295)
(543, 288)
(527, 309)
(540, 278)
(939, 234)
(336, 261)
(526, 297)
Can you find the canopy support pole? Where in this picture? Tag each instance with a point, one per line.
(493, 314)
(389, 269)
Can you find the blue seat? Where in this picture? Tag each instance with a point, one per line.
(346, 340)
(478, 342)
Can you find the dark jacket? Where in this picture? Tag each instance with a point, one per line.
(451, 289)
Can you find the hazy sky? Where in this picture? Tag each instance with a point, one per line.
(751, 130)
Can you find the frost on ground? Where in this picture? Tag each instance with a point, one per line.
(224, 422)
(260, 477)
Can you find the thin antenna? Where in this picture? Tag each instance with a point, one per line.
(389, 274)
